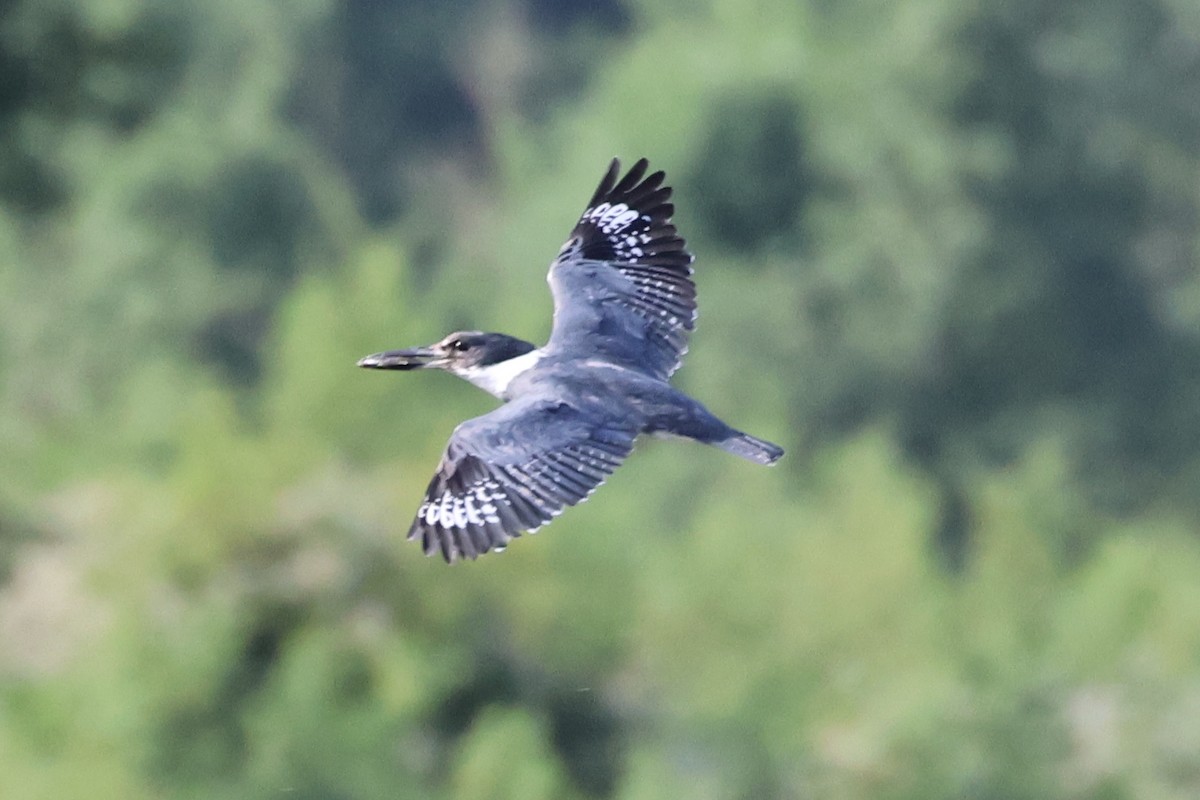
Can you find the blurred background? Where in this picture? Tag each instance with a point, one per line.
(947, 256)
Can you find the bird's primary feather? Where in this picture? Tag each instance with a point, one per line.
(513, 470)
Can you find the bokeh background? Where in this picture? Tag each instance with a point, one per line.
(947, 255)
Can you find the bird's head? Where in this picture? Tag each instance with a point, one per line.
(462, 353)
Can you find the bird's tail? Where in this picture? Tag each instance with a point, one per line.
(751, 448)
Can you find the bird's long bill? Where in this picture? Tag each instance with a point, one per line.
(411, 358)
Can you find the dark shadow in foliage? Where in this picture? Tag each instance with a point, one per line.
(586, 733)
(952, 536)
(260, 222)
(495, 682)
(572, 38)
(588, 736)
(752, 179)
(1058, 311)
(205, 738)
(148, 61)
(392, 90)
(232, 341)
(557, 17)
(257, 218)
(16, 532)
(27, 183)
(53, 75)
(258, 212)
(52, 78)
(389, 93)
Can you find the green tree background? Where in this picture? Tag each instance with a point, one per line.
(947, 255)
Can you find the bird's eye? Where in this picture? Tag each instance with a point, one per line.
(460, 345)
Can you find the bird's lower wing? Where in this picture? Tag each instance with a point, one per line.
(513, 470)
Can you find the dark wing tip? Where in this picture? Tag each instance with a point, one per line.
(607, 182)
(629, 221)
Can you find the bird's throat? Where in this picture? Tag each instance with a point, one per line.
(496, 378)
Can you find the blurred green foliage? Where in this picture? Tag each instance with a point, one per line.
(947, 255)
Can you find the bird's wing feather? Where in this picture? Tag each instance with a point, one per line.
(622, 282)
(512, 470)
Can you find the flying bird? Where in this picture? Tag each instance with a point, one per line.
(624, 304)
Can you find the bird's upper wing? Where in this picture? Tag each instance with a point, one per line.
(622, 282)
(512, 470)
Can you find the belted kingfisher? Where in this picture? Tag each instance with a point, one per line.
(624, 304)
